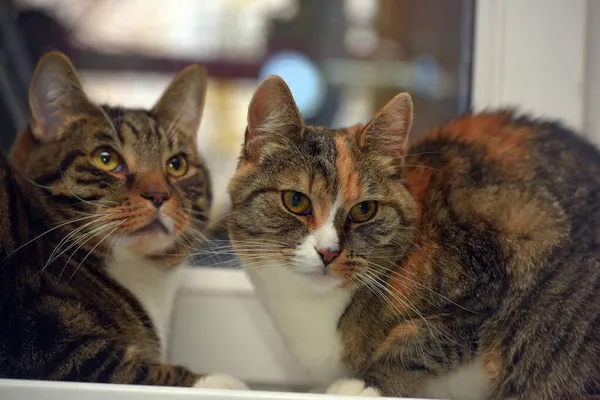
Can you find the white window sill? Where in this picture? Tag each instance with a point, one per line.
(220, 326)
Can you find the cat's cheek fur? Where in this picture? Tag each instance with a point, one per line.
(220, 381)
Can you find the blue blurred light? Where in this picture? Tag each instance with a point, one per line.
(426, 75)
(302, 76)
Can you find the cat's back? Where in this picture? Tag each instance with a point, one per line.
(499, 152)
(498, 185)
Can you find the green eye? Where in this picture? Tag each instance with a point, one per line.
(296, 202)
(362, 212)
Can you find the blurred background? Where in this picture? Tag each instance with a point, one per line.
(343, 59)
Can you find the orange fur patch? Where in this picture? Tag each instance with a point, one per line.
(353, 131)
(503, 143)
(350, 188)
(242, 170)
(402, 331)
(492, 363)
(417, 180)
(321, 210)
(415, 270)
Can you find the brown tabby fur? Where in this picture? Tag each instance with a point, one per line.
(485, 247)
(67, 318)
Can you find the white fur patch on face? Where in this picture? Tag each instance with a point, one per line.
(166, 221)
(155, 241)
(306, 259)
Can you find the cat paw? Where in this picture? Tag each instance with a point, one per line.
(220, 381)
(352, 387)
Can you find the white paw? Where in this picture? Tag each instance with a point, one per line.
(220, 381)
(352, 387)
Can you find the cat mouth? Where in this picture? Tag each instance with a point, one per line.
(155, 226)
(318, 274)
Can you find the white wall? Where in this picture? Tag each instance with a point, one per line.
(532, 54)
(592, 76)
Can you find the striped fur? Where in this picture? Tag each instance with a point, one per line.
(70, 307)
(478, 276)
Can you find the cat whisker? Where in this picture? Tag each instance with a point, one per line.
(86, 238)
(242, 251)
(34, 183)
(420, 166)
(211, 255)
(402, 299)
(68, 237)
(400, 276)
(53, 256)
(264, 265)
(195, 212)
(385, 288)
(422, 153)
(196, 220)
(95, 247)
(370, 282)
(112, 243)
(263, 241)
(48, 231)
(210, 225)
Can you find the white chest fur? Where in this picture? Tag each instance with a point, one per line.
(468, 382)
(306, 320)
(154, 287)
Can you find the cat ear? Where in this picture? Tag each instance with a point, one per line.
(388, 132)
(182, 103)
(56, 97)
(272, 110)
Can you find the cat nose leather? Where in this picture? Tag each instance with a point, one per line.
(328, 255)
(156, 198)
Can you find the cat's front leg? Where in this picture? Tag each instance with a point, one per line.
(353, 387)
(136, 370)
(220, 381)
(381, 382)
(105, 360)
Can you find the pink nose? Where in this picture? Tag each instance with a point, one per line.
(156, 198)
(328, 255)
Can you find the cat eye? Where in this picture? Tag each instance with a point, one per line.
(177, 166)
(106, 159)
(362, 212)
(296, 202)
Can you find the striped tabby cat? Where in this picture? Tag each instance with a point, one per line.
(465, 265)
(96, 207)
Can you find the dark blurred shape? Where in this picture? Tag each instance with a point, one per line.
(15, 73)
(437, 29)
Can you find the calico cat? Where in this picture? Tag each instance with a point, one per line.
(97, 206)
(465, 265)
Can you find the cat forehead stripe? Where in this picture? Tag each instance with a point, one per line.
(349, 181)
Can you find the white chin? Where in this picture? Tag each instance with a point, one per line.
(148, 243)
(316, 281)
